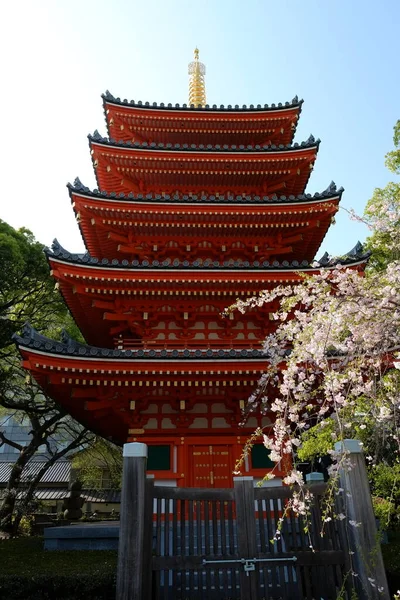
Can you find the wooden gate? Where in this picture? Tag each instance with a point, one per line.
(206, 544)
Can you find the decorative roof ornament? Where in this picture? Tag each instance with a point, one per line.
(108, 95)
(355, 254)
(97, 137)
(331, 189)
(357, 250)
(78, 186)
(197, 86)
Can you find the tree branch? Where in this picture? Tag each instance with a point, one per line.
(8, 442)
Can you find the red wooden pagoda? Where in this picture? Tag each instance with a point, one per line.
(196, 206)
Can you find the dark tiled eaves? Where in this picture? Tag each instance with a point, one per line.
(331, 192)
(99, 139)
(31, 339)
(354, 257)
(108, 97)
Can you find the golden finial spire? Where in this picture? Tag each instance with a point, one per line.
(197, 86)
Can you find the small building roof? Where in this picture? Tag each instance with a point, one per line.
(57, 473)
(90, 495)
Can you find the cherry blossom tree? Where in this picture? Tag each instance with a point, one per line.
(333, 359)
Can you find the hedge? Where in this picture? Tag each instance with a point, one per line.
(49, 587)
(28, 571)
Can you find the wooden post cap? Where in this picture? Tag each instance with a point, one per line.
(135, 449)
(351, 446)
(313, 477)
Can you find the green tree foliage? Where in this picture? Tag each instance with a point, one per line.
(385, 484)
(317, 441)
(100, 462)
(27, 293)
(26, 289)
(384, 205)
(393, 157)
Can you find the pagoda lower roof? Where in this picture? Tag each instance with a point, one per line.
(108, 390)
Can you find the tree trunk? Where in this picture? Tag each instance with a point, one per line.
(31, 488)
(11, 491)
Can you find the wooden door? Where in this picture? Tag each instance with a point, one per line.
(210, 466)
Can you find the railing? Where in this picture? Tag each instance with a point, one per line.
(131, 343)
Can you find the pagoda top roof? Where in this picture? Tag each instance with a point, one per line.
(331, 192)
(355, 256)
(108, 97)
(30, 338)
(311, 142)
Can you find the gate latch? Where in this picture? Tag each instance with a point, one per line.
(249, 565)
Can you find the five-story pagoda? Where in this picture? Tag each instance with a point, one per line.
(195, 207)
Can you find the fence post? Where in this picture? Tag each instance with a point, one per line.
(314, 477)
(246, 533)
(363, 537)
(148, 538)
(131, 533)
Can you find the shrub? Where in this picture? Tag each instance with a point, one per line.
(384, 510)
(25, 525)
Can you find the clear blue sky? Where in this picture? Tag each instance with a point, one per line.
(341, 56)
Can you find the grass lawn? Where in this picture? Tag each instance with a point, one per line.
(27, 571)
(25, 556)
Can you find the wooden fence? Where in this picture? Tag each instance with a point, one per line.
(218, 544)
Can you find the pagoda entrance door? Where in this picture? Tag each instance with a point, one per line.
(210, 466)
